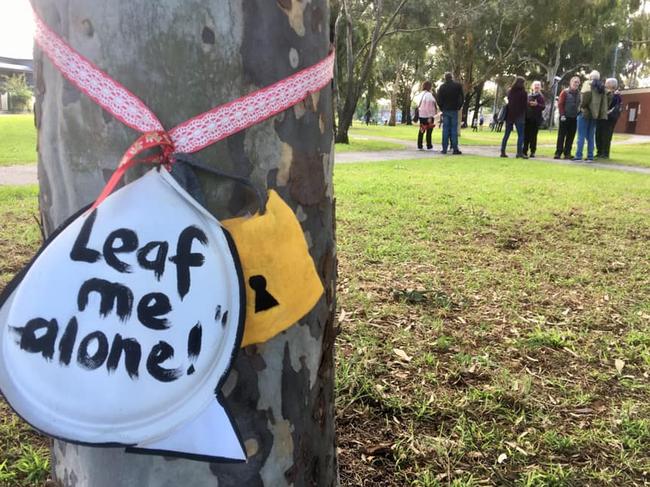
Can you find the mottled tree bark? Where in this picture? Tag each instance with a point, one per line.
(183, 57)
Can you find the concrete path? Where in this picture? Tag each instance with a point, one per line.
(27, 174)
(479, 150)
(18, 175)
(349, 157)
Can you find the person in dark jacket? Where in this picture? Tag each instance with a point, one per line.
(568, 106)
(450, 99)
(516, 116)
(593, 107)
(605, 128)
(534, 118)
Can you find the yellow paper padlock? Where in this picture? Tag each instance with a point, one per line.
(281, 281)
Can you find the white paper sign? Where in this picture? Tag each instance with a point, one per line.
(123, 328)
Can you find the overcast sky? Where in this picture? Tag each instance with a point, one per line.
(16, 30)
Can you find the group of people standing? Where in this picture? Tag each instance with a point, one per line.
(449, 99)
(591, 112)
(524, 112)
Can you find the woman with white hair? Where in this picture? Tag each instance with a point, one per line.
(593, 107)
(534, 118)
(605, 128)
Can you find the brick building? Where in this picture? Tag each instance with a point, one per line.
(635, 117)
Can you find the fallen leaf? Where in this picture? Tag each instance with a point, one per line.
(584, 410)
(402, 354)
(619, 364)
(380, 449)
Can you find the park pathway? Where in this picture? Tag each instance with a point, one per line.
(19, 175)
(478, 150)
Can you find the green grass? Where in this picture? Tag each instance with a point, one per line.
(468, 137)
(17, 139)
(484, 305)
(513, 288)
(625, 154)
(24, 454)
(361, 144)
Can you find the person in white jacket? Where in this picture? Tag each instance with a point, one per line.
(427, 109)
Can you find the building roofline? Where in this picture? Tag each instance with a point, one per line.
(634, 91)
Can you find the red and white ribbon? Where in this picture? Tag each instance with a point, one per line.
(199, 131)
(101, 88)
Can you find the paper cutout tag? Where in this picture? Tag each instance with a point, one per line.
(282, 284)
(124, 326)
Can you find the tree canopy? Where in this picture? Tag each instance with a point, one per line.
(386, 48)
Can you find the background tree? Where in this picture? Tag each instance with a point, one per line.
(634, 48)
(20, 94)
(360, 27)
(183, 57)
(402, 61)
(478, 40)
(568, 37)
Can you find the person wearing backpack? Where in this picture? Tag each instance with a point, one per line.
(568, 106)
(605, 128)
(593, 107)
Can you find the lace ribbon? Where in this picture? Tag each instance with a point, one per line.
(192, 135)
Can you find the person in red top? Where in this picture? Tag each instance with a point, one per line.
(569, 106)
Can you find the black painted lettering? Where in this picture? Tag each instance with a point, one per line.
(113, 294)
(132, 355)
(80, 251)
(157, 265)
(150, 307)
(94, 361)
(129, 242)
(185, 259)
(38, 336)
(67, 342)
(194, 342)
(161, 352)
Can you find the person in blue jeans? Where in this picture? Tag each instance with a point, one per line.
(450, 99)
(586, 131)
(593, 107)
(516, 116)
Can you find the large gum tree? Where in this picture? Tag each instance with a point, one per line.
(183, 57)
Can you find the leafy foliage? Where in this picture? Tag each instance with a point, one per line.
(18, 90)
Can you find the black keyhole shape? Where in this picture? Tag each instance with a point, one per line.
(263, 299)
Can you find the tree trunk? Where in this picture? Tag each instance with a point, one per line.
(393, 101)
(183, 57)
(345, 122)
(469, 94)
(478, 92)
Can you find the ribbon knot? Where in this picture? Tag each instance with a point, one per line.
(149, 140)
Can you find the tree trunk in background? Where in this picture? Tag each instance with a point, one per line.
(183, 57)
(478, 92)
(393, 100)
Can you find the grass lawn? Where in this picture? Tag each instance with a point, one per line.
(629, 155)
(485, 137)
(24, 455)
(17, 139)
(495, 325)
(361, 144)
